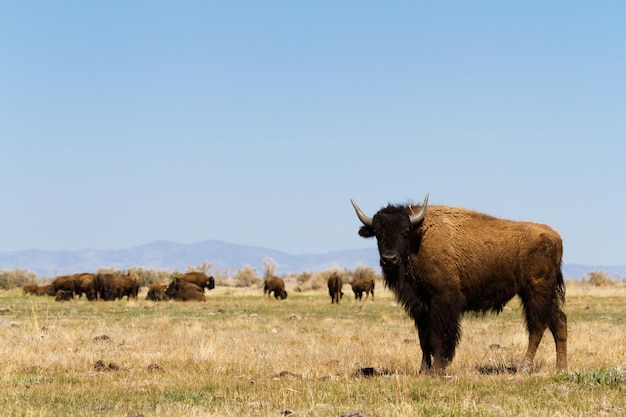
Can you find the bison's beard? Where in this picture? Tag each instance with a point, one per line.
(394, 276)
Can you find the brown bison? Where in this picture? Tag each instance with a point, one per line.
(275, 285)
(335, 284)
(47, 289)
(184, 291)
(443, 261)
(363, 285)
(63, 295)
(85, 284)
(113, 286)
(199, 278)
(65, 283)
(157, 292)
(30, 289)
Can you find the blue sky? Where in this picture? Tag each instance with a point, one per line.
(255, 122)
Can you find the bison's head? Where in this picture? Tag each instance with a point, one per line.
(172, 289)
(391, 227)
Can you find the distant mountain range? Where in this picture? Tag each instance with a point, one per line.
(224, 257)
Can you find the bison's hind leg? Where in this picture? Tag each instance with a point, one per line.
(558, 328)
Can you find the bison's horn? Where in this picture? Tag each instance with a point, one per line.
(362, 216)
(418, 217)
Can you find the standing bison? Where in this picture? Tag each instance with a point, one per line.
(363, 285)
(66, 283)
(335, 284)
(443, 261)
(274, 285)
(113, 286)
(85, 284)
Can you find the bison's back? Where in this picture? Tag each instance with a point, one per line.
(487, 259)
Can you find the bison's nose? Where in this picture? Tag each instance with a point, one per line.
(389, 259)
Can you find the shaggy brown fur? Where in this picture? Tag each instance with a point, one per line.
(112, 286)
(65, 283)
(457, 261)
(157, 292)
(30, 289)
(335, 284)
(363, 285)
(85, 284)
(184, 291)
(198, 278)
(275, 285)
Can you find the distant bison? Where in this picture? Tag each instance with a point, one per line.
(335, 284)
(184, 291)
(30, 289)
(443, 261)
(274, 285)
(363, 285)
(47, 289)
(85, 284)
(63, 295)
(65, 283)
(157, 292)
(199, 278)
(112, 286)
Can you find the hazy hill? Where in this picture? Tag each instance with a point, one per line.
(225, 257)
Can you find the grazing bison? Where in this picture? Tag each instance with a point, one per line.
(363, 285)
(157, 292)
(275, 285)
(443, 261)
(113, 286)
(199, 278)
(85, 284)
(335, 284)
(63, 295)
(184, 291)
(65, 283)
(30, 289)
(47, 289)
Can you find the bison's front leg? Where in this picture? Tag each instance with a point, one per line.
(423, 330)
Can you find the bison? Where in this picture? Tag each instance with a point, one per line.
(85, 284)
(363, 285)
(275, 285)
(198, 278)
(113, 286)
(441, 262)
(184, 291)
(30, 289)
(157, 292)
(63, 295)
(47, 289)
(65, 283)
(335, 284)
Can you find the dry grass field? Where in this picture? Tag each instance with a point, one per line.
(239, 354)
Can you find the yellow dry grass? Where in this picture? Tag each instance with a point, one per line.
(242, 354)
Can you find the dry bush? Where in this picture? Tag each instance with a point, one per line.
(599, 279)
(16, 278)
(245, 277)
(308, 281)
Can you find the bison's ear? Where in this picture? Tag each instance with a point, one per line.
(366, 232)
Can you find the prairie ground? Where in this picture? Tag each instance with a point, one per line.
(240, 354)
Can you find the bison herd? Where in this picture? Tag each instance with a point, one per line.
(189, 286)
(108, 287)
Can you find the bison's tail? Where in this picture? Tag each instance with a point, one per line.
(560, 286)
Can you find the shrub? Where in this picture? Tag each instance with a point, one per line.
(16, 278)
(246, 277)
(599, 279)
